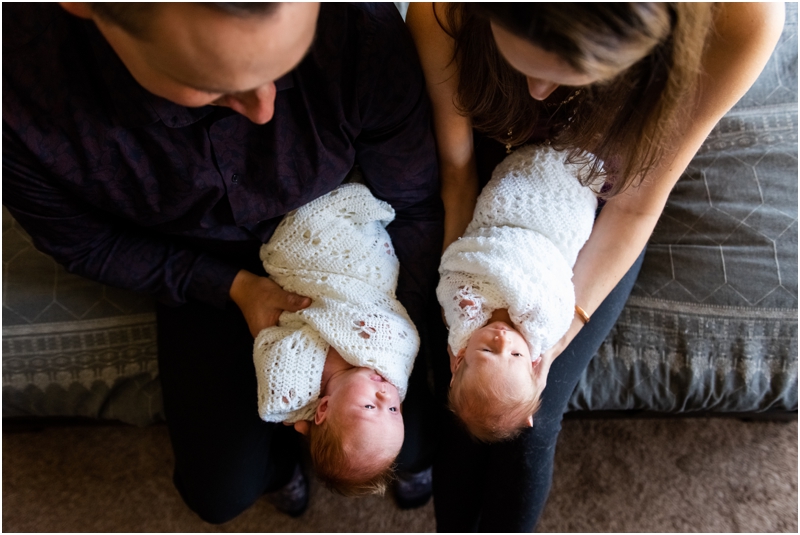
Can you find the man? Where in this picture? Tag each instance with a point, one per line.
(155, 147)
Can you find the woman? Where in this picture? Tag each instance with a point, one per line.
(640, 86)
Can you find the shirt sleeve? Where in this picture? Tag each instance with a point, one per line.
(103, 248)
(397, 155)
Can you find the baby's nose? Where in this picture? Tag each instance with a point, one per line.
(500, 339)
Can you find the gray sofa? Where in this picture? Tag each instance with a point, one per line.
(711, 325)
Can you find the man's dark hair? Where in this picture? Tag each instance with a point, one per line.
(134, 17)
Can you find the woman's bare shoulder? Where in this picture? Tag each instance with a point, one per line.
(755, 26)
(742, 40)
(749, 21)
(430, 16)
(436, 47)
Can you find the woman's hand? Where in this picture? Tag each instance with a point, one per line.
(261, 300)
(541, 367)
(551, 354)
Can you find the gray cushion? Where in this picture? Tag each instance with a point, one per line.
(712, 320)
(73, 347)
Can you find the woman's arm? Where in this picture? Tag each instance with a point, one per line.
(741, 43)
(453, 131)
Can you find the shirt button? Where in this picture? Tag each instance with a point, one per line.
(235, 178)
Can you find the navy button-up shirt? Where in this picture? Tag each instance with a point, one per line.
(132, 190)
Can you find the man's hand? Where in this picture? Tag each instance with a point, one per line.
(261, 300)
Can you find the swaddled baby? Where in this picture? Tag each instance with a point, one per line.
(339, 369)
(506, 288)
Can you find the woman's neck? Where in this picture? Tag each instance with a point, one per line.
(335, 365)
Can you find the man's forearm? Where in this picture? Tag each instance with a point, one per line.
(98, 250)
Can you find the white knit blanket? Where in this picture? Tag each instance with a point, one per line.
(336, 251)
(530, 222)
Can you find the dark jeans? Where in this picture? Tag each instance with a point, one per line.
(226, 457)
(503, 487)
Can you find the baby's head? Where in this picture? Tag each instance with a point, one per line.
(357, 433)
(495, 388)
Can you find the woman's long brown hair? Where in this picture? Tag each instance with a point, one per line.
(648, 55)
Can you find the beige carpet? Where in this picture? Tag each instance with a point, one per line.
(684, 475)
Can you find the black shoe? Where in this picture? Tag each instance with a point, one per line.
(413, 490)
(292, 499)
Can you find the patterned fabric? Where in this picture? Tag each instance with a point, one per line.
(712, 321)
(530, 222)
(336, 251)
(71, 346)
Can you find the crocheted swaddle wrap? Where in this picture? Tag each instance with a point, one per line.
(336, 251)
(530, 222)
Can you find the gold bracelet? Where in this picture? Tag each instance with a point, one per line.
(582, 314)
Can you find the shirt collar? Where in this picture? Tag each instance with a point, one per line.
(134, 105)
(285, 82)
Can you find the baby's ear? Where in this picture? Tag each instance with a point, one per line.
(302, 427)
(455, 360)
(322, 410)
(530, 421)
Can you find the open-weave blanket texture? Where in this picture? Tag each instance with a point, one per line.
(336, 251)
(530, 222)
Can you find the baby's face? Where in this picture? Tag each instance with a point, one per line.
(367, 407)
(497, 346)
